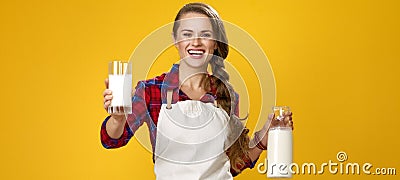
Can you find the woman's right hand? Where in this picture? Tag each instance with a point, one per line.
(107, 95)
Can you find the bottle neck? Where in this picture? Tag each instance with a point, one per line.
(281, 128)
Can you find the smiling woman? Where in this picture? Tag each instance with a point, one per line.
(192, 115)
(194, 40)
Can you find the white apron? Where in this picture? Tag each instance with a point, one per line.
(191, 142)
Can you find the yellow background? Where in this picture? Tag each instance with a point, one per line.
(336, 63)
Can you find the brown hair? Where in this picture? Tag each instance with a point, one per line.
(226, 97)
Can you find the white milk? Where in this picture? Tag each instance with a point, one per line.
(121, 87)
(279, 152)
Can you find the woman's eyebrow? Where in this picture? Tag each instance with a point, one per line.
(206, 31)
(189, 30)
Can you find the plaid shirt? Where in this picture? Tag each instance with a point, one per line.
(146, 105)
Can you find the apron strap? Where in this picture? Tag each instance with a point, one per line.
(169, 99)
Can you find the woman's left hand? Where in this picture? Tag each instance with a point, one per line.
(287, 120)
(262, 135)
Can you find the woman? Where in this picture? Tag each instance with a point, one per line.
(187, 139)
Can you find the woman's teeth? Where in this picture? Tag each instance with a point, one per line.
(196, 52)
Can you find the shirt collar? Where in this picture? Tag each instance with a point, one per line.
(171, 82)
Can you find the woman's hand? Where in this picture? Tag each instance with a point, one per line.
(262, 135)
(107, 94)
(286, 122)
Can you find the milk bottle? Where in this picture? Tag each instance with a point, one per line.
(279, 154)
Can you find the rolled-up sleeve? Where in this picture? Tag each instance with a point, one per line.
(109, 142)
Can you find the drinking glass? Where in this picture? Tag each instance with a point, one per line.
(120, 83)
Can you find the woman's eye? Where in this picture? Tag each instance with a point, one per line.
(187, 34)
(207, 35)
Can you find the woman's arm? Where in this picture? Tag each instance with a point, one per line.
(115, 131)
(261, 137)
(115, 123)
(115, 126)
(109, 142)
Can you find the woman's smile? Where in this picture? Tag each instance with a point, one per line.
(196, 53)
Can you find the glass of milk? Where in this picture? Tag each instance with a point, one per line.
(279, 154)
(120, 83)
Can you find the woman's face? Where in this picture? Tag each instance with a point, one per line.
(195, 40)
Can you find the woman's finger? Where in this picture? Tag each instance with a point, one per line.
(106, 83)
(106, 104)
(291, 124)
(288, 113)
(107, 92)
(288, 118)
(108, 98)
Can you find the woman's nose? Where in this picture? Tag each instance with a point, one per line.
(196, 41)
